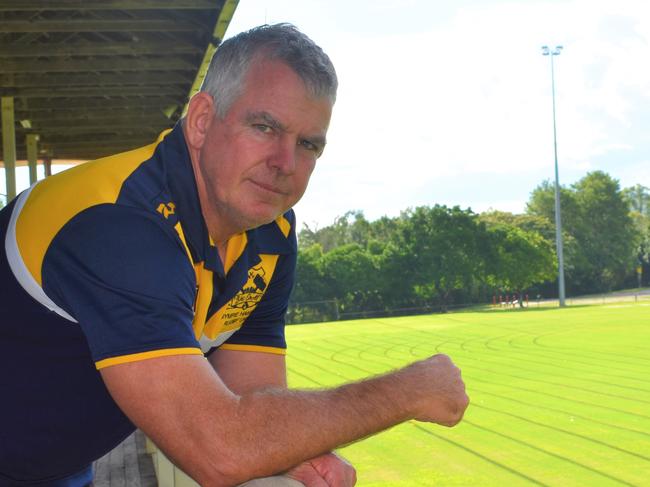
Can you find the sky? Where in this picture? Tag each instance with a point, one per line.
(449, 102)
(445, 102)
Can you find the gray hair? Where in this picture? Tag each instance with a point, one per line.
(224, 80)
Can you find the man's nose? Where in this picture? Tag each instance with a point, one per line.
(283, 158)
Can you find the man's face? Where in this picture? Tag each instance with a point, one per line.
(256, 162)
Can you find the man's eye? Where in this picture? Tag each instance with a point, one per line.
(266, 129)
(310, 146)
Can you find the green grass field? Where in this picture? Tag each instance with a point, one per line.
(559, 397)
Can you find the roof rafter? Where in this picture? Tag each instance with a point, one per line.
(153, 79)
(99, 129)
(135, 48)
(37, 5)
(85, 65)
(87, 25)
(85, 104)
(95, 91)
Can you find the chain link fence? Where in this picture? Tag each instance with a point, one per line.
(332, 310)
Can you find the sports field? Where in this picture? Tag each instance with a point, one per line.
(559, 397)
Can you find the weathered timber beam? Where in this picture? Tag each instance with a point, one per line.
(135, 64)
(93, 25)
(31, 141)
(115, 103)
(9, 146)
(88, 155)
(89, 116)
(109, 120)
(36, 5)
(103, 143)
(16, 80)
(92, 92)
(98, 49)
(99, 129)
(107, 140)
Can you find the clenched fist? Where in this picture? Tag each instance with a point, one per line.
(437, 390)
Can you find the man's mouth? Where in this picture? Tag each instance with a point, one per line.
(269, 187)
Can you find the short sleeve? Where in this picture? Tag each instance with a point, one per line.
(123, 274)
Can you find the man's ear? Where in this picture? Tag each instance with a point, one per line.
(200, 115)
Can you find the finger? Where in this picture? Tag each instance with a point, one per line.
(348, 474)
(351, 478)
(318, 482)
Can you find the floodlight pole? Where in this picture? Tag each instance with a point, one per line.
(558, 214)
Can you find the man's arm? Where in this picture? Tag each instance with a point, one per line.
(244, 372)
(220, 437)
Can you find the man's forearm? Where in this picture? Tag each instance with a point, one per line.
(246, 372)
(314, 422)
(221, 438)
(275, 429)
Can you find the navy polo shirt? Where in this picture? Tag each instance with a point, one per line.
(111, 262)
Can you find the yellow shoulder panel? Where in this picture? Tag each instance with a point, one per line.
(57, 199)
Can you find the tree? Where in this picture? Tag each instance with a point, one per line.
(541, 207)
(638, 199)
(310, 285)
(542, 203)
(605, 232)
(597, 230)
(520, 258)
(350, 275)
(442, 251)
(528, 222)
(352, 227)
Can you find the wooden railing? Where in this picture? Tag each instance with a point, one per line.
(167, 473)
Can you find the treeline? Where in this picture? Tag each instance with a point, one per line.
(436, 257)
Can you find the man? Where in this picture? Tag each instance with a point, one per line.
(120, 274)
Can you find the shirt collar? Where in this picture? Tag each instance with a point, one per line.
(271, 238)
(277, 237)
(181, 183)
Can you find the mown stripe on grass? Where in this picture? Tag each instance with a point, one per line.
(549, 453)
(567, 432)
(531, 406)
(500, 374)
(481, 456)
(601, 354)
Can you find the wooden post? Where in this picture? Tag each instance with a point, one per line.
(47, 165)
(9, 145)
(32, 156)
